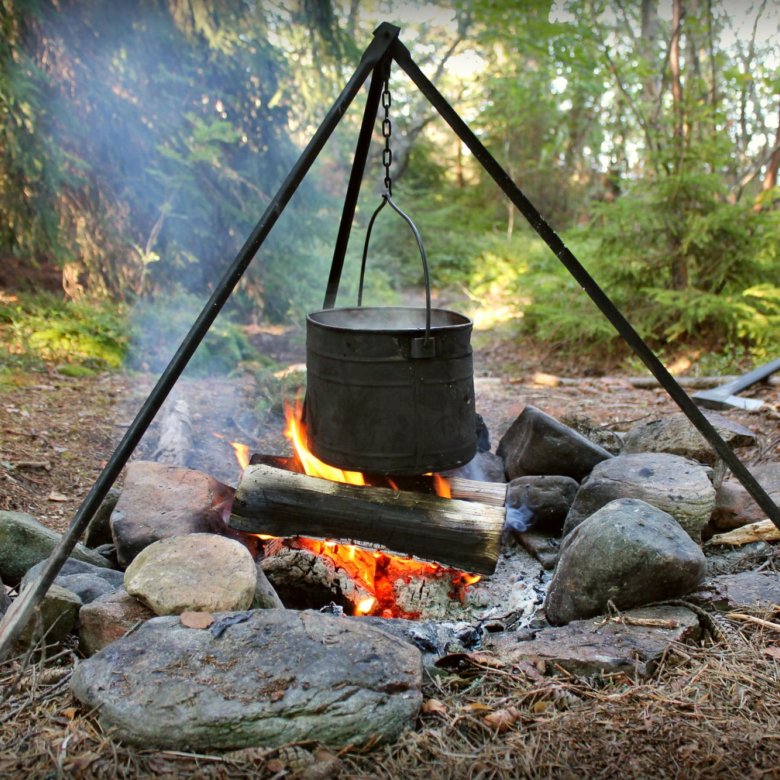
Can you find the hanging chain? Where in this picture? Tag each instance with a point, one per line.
(387, 129)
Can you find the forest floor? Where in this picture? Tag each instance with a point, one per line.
(709, 711)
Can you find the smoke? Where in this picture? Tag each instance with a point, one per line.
(519, 518)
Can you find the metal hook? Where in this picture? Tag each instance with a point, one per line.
(385, 200)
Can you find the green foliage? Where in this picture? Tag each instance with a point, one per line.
(636, 246)
(75, 336)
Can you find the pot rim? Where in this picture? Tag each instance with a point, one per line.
(457, 321)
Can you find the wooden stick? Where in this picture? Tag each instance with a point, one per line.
(752, 619)
(462, 534)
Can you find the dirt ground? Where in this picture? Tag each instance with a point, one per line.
(708, 712)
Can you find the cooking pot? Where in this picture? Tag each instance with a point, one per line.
(390, 389)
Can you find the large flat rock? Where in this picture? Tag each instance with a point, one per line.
(745, 589)
(276, 677)
(632, 643)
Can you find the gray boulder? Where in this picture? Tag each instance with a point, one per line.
(5, 599)
(197, 572)
(628, 553)
(674, 484)
(257, 679)
(24, 542)
(677, 435)
(159, 501)
(88, 582)
(538, 444)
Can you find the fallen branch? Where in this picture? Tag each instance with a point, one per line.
(751, 619)
(763, 531)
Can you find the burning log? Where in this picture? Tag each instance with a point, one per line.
(462, 534)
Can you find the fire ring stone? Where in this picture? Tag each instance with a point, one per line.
(282, 676)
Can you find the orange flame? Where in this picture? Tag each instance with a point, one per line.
(373, 570)
(312, 465)
(242, 453)
(441, 486)
(240, 450)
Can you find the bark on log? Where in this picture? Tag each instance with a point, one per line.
(175, 442)
(461, 534)
(493, 493)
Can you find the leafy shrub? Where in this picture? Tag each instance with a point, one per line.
(680, 261)
(43, 329)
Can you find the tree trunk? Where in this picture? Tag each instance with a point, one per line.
(648, 44)
(676, 80)
(769, 181)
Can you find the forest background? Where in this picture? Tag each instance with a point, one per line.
(140, 141)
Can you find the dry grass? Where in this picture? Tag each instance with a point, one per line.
(709, 711)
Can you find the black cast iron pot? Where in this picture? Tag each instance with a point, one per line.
(389, 389)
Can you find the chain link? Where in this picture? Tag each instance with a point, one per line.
(387, 129)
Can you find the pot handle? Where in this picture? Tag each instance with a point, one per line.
(420, 347)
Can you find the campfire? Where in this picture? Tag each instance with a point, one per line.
(308, 514)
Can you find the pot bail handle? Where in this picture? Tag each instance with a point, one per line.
(420, 347)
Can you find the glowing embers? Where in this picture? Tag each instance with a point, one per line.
(309, 573)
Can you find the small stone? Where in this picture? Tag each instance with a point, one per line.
(604, 646)
(735, 507)
(628, 553)
(54, 619)
(88, 582)
(548, 498)
(265, 595)
(24, 542)
(197, 572)
(677, 435)
(278, 677)
(678, 486)
(108, 618)
(99, 529)
(538, 444)
(160, 501)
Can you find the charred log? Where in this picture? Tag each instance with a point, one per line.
(456, 533)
